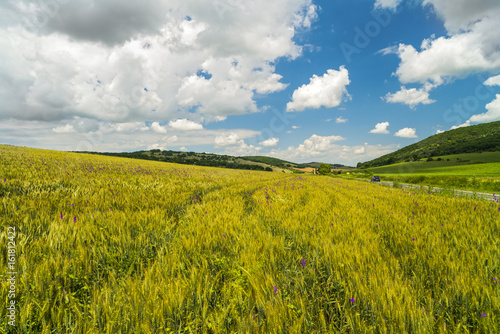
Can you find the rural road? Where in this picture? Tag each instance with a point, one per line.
(486, 196)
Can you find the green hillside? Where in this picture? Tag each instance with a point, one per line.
(270, 161)
(482, 164)
(192, 158)
(471, 139)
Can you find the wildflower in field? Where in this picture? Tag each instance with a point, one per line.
(352, 300)
(303, 263)
(74, 219)
(483, 315)
(61, 215)
(223, 235)
(413, 239)
(275, 289)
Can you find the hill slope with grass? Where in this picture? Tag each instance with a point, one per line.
(471, 139)
(198, 159)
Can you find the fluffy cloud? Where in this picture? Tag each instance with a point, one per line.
(326, 149)
(467, 123)
(228, 139)
(493, 113)
(360, 150)
(407, 133)
(136, 61)
(311, 147)
(341, 120)
(439, 131)
(493, 81)
(271, 142)
(242, 149)
(391, 4)
(411, 97)
(156, 127)
(68, 128)
(327, 91)
(473, 44)
(108, 136)
(381, 128)
(185, 125)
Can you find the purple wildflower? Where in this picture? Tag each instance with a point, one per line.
(275, 289)
(483, 315)
(303, 263)
(413, 239)
(352, 300)
(61, 215)
(74, 219)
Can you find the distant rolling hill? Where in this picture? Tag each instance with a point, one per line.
(215, 160)
(471, 139)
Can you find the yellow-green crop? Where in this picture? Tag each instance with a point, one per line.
(110, 245)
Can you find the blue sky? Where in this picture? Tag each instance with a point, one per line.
(334, 81)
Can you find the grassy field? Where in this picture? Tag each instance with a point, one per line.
(471, 171)
(482, 164)
(112, 245)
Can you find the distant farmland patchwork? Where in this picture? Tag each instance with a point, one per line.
(110, 245)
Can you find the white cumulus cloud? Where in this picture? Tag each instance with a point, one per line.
(391, 4)
(144, 61)
(156, 127)
(271, 142)
(493, 81)
(407, 133)
(327, 91)
(472, 44)
(381, 128)
(341, 120)
(411, 97)
(185, 125)
(493, 113)
(68, 128)
(228, 139)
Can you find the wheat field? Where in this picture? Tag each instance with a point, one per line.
(113, 245)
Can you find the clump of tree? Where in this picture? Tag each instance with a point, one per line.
(324, 169)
